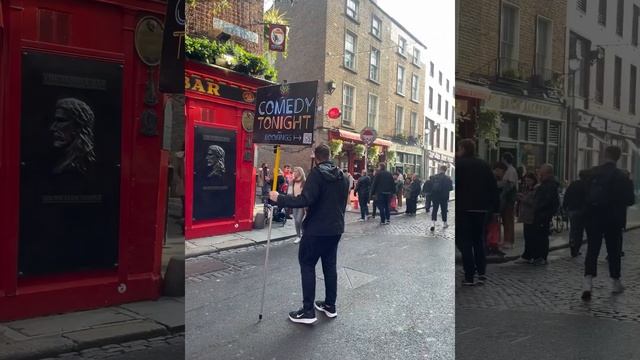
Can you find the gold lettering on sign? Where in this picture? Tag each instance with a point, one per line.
(197, 85)
(213, 88)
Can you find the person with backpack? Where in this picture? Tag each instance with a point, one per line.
(546, 204)
(363, 187)
(573, 203)
(441, 186)
(325, 196)
(609, 193)
(382, 188)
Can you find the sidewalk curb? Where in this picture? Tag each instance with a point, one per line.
(57, 345)
(209, 251)
(505, 259)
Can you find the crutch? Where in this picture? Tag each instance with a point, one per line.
(270, 217)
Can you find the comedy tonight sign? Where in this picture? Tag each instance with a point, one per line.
(285, 114)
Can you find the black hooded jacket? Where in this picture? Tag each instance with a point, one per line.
(325, 195)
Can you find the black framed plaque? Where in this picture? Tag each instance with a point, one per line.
(70, 164)
(214, 169)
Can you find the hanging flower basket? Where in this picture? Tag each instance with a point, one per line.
(335, 146)
(488, 127)
(373, 154)
(359, 150)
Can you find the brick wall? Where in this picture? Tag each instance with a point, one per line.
(243, 13)
(478, 36)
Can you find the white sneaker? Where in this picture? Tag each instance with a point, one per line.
(297, 240)
(616, 286)
(587, 284)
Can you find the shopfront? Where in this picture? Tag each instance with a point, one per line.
(533, 131)
(220, 192)
(408, 159)
(436, 159)
(350, 158)
(82, 173)
(594, 134)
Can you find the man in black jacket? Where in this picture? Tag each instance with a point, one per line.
(414, 192)
(363, 187)
(609, 193)
(546, 204)
(325, 196)
(441, 186)
(382, 188)
(476, 199)
(573, 203)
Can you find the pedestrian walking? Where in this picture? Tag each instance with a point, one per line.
(325, 196)
(441, 186)
(546, 204)
(574, 204)
(426, 192)
(508, 195)
(382, 188)
(609, 193)
(372, 196)
(363, 188)
(507, 212)
(476, 198)
(399, 188)
(526, 207)
(412, 195)
(297, 184)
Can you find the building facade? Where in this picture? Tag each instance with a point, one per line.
(439, 119)
(509, 80)
(603, 62)
(369, 66)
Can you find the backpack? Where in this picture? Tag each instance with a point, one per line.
(599, 190)
(437, 184)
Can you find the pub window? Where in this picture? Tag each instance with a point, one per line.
(633, 86)
(348, 105)
(602, 13)
(350, 46)
(352, 9)
(620, 18)
(617, 86)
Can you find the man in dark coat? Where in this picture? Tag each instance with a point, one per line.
(547, 202)
(363, 188)
(476, 199)
(325, 196)
(382, 188)
(573, 203)
(441, 186)
(609, 193)
(414, 192)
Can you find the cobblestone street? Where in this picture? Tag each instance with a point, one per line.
(402, 265)
(165, 347)
(550, 294)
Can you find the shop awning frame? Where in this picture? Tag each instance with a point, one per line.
(349, 135)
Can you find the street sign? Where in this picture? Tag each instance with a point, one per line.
(285, 114)
(368, 135)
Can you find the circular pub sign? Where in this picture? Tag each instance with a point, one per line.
(247, 121)
(368, 135)
(148, 40)
(277, 36)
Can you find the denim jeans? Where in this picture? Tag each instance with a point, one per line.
(383, 205)
(313, 248)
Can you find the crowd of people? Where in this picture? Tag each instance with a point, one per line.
(489, 199)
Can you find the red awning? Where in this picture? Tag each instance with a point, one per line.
(356, 137)
(472, 91)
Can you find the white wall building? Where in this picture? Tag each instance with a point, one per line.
(603, 64)
(439, 116)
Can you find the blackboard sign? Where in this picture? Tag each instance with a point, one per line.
(214, 173)
(172, 61)
(70, 164)
(285, 114)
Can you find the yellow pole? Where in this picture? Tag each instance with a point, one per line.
(276, 167)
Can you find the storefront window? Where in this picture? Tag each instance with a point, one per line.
(509, 127)
(532, 156)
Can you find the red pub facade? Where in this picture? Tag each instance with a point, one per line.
(82, 173)
(220, 178)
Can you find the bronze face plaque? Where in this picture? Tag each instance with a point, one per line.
(148, 40)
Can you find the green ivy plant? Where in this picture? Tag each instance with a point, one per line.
(359, 150)
(209, 51)
(488, 127)
(373, 153)
(335, 146)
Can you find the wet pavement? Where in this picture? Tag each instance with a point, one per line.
(535, 312)
(395, 298)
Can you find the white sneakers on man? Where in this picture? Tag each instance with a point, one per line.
(297, 240)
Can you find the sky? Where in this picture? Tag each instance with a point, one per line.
(431, 21)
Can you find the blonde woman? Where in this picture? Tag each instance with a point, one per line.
(295, 189)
